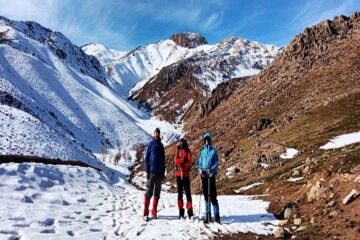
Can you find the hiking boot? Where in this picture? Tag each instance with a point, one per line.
(181, 213)
(217, 218)
(154, 208)
(207, 218)
(190, 213)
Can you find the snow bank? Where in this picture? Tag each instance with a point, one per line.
(295, 179)
(245, 188)
(289, 153)
(342, 140)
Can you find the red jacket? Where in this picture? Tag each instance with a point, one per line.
(182, 162)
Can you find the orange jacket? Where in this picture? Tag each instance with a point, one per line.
(182, 162)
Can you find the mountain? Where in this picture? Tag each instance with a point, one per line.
(131, 70)
(272, 131)
(57, 101)
(168, 76)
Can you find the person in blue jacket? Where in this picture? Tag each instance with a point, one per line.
(208, 165)
(154, 166)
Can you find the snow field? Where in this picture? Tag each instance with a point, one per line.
(62, 202)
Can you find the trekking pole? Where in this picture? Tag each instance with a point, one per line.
(200, 198)
(209, 198)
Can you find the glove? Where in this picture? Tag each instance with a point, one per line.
(147, 176)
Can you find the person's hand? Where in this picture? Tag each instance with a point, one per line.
(200, 171)
(208, 171)
(147, 176)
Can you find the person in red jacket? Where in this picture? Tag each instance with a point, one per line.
(183, 165)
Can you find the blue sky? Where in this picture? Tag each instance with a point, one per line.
(124, 25)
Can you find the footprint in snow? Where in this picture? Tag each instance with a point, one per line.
(81, 200)
(95, 230)
(88, 216)
(47, 222)
(17, 219)
(64, 222)
(70, 233)
(140, 231)
(21, 225)
(77, 212)
(9, 232)
(48, 231)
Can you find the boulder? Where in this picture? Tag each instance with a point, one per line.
(315, 192)
(287, 213)
(351, 197)
(297, 221)
(357, 179)
(331, 204)
(279, 232)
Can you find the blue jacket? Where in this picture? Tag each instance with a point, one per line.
(208, 159)
(155, 157)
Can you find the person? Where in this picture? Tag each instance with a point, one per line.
(154, 165)
(183, 165)
(208, 164)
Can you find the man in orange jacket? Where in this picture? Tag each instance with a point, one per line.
(183, 165)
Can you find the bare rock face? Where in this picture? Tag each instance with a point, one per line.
(189, 40)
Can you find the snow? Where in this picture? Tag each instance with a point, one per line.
(62, 202)
(65, 106)
(295, 179)
(231, 58)
(130, 71)
(289, 153)
(342, 140)
(245, 188)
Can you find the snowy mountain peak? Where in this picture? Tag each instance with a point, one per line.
(189, 39)
(58, 44)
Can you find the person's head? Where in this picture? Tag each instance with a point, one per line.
(183, 144)
(157, 134)
(207, 138)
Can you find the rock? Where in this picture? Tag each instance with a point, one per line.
(301, 228)
(296, 173)
(312, 220)
(283, 222)
(315, 192)
(306, 170)
(357, 179)
(279, 232)
(287, 213)
(331, 204)
(297, 221)
(351, 197)
(333, 214)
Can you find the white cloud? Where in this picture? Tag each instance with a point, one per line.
(313, 12)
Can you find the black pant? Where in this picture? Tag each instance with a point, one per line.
(183, 184)
(213, 193)
(153, 186)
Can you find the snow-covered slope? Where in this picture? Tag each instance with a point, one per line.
(139, 65)
(50, 98)
(66, 202)
(232, 57)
